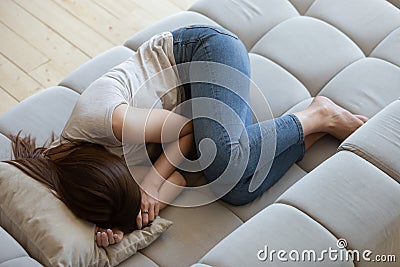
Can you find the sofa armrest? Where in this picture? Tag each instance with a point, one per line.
(378, 141)
(5, 148)
(12, 254)
(82, 77)
(277, 227)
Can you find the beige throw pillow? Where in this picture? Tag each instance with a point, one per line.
(52, 234)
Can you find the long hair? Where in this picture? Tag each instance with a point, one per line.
(95, 184)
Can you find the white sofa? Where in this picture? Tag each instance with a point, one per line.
(348, 50)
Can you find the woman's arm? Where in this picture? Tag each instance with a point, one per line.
(168, 191)
(161, 170)
(157, 126)
(138, 126)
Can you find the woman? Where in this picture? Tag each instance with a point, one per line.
(112, 113)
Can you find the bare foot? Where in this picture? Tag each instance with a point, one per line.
(311, 139)
(339, 122)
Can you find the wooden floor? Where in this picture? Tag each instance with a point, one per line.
(43, 40)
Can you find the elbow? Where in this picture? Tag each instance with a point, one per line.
(190, 123)
(188, 129)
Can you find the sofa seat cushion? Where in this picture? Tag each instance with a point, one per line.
(138, 260)
(323, 149)
(245, 212)
(310, 49)
(40, 114)
(354, 200)
(194, 232)
(302, 5)
(378, 141)
(278, 227)
(269, 83)
(244, 15)
(365, 87)
(354, 19)
(389, 48)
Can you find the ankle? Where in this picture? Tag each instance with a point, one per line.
(307, 121)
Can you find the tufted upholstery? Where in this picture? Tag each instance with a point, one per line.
(348, 50)
(12, 254)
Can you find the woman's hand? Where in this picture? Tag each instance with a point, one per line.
(149, 209)
(104, 237)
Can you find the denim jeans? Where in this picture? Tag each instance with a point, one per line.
(243, 148)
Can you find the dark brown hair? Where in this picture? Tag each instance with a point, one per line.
(94, 183)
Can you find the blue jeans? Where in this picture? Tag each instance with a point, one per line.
(243, 148)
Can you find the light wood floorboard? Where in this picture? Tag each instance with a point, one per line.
(44, 40)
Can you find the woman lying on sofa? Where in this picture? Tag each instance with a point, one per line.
(99, 160)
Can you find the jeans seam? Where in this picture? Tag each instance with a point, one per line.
(183, 47)
(214, 28)
(213, 80)
(301, 135)
(178, 35)
(203, 43)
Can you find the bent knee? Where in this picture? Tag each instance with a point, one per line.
(228, 42)
(239, 198)
(229, 51)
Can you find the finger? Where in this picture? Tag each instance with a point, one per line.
(144, 213)
(157, 209)
(145, 207)
(110, 235)
(145, 203)
(139, 221)
(104, 239)
(98, 239)
(145, 219)
(151, 212)
(117, 234)
(117, 238)
(99, 229)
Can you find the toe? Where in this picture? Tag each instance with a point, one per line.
(362, 118)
